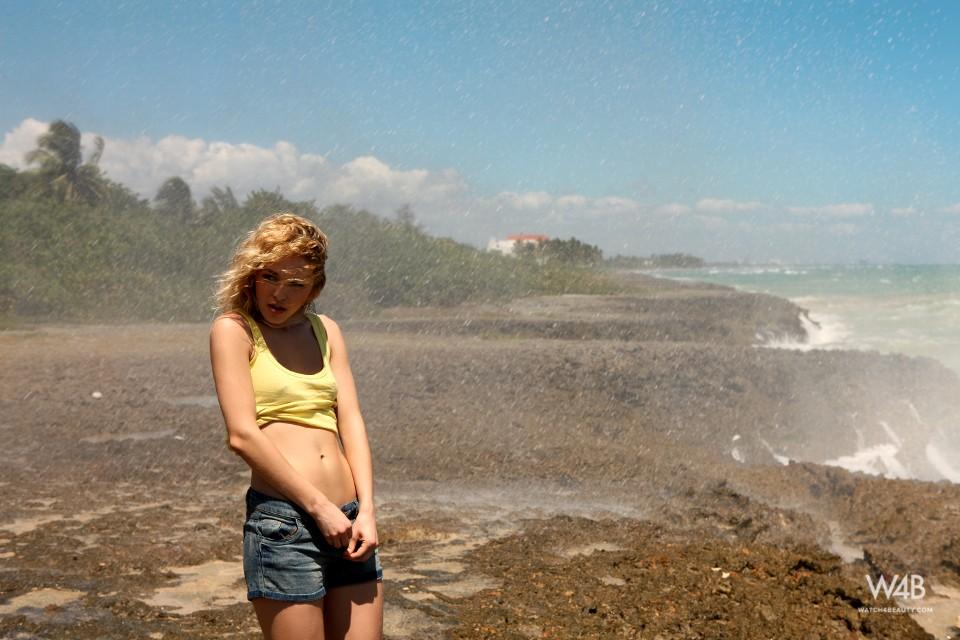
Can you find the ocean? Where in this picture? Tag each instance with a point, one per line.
(908, 309)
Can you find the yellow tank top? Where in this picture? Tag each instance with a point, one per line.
(283, 395)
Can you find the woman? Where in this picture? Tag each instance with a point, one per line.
(290, 406)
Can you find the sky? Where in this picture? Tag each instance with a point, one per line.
(800, 132)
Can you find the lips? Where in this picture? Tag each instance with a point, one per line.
(276, 308)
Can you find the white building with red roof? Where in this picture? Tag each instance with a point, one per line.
(508, 245)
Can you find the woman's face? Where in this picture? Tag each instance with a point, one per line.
(282, 289)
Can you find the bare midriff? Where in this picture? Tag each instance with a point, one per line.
(316, 455)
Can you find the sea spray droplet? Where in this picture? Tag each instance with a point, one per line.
(96, 394)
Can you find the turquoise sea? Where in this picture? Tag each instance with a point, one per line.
(909, 309)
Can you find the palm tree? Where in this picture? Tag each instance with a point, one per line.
(59, 155)
(174, 199)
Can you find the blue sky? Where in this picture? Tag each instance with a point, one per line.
(795, 131)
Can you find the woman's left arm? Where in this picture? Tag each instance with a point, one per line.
(356, 447)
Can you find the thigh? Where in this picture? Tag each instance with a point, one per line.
(354, 612)
(289, 620)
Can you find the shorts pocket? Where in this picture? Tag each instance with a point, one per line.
(277, 529)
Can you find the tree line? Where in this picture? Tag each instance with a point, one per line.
(571, 252)
(80, 246)
(656, 261)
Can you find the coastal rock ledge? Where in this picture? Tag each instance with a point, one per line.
(629, 466)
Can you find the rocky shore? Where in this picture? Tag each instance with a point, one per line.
(629, 466)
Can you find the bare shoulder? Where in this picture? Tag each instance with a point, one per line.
(230, 329)
(328, 322)
(333, 330)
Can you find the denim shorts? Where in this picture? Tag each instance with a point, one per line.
(285, 557)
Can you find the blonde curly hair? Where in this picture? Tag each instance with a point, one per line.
(280, 236)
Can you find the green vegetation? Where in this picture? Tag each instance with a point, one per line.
(661, 261)
(174, 199)
(61, 173)
(571, 253)
(79, 247)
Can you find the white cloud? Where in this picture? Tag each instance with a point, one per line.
(143, 164)
(793, 227)
(369, 180)
(440, 199)
(18, 142)
(529, 200)
(953, 208)
(842, 210)
(844, 229)
(566, 208)
(447, 204)
(613, 207)
(718, 205)
(711, 222)
(672, 209)
(571, 201)
(904, 212)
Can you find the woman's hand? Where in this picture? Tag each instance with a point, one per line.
(363, 539)
(334, 525)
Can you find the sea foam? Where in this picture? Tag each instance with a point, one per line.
(939, 462)
(822, 332)
(878, 460)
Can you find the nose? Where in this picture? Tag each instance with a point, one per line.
(280, 289)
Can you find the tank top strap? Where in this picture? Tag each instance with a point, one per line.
(254, 329)
(321, 332)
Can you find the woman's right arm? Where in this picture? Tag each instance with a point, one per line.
(229, 349)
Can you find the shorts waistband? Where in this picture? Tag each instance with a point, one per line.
(257, 501)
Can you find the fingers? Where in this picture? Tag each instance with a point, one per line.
(357, 539)
(362, 552)
(354, 538)
(339, 534)
(337, 540)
